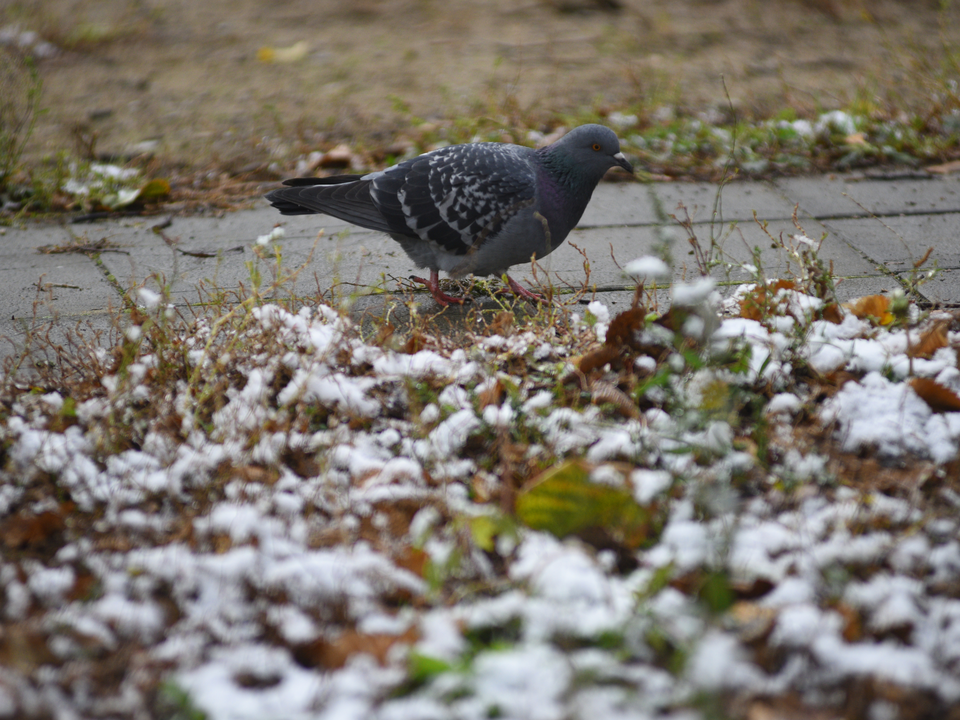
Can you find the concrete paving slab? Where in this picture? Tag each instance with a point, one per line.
(942, 290)
(215, 253)
(734, 245)
(898, 242)
(739, 200)
(851, 196)
(46, 342)
(628, 243)
(31, 280)
(850, 288)
(621, 204)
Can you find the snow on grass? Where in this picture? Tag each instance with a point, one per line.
(317, 526)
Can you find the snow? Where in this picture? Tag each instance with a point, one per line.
(891, 419)
(647, 268)
(225, 565)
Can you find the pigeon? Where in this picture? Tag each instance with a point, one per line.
(477, 208)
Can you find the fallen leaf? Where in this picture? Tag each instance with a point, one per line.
(757, 303)
(831, 313)
(624, 326)
(597, 358)
(875, 308)
(334, 654)
(155, 189)
(502, 324)
(938, 397)
(28, 530)
(413, 560)
(604, 392)
(490, 395)
(564, 501)
(290, 54)
(931, 340)
(340, 156)
(852, 624)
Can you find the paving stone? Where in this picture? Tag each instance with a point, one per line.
(739, 200)
(899, 242)
(621, 204)
(944, 289)
(33, 282)
(850, 196)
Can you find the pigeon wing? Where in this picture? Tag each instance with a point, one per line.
(456, 197)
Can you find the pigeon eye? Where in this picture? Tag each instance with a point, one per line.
(596, 146)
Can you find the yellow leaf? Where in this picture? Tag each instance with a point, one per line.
(155, 189)
(875, 308)
(563, 501)
(291, 54)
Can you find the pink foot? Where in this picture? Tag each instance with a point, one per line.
(433, 285)
(521, 291)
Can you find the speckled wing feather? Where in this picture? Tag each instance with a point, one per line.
(456, 197)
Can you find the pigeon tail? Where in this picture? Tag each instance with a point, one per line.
(346, 197)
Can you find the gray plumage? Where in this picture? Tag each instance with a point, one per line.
(478, 208)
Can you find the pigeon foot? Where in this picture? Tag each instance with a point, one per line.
(433, 285)
(520, 291)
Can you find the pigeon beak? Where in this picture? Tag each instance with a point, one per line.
(622, 162)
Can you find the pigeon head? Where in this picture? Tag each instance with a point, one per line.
(588, 152)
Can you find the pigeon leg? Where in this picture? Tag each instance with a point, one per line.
(433, 285)
(521, 291)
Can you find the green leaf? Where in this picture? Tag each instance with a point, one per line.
(716, 593)
(423, 667)
(563, 501)
(484, 530)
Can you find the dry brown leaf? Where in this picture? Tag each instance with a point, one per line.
(604, 392)
(852, 625)
(872, 307)
(338, 157)
(938, 397)
(502, 324)
(624, 326)
(752, 622)
(831, 313)
(757, 302)
(23, 648)
(413, 560)
(28, 530)
(491, 395)
(930, 341)
(597, 358)
(333, 654)
(250, 473)
(414, 344)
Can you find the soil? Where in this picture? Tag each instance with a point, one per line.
(190, 82)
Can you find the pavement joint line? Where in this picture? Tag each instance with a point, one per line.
(112, 281)
(883, 270)
(878, 216)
